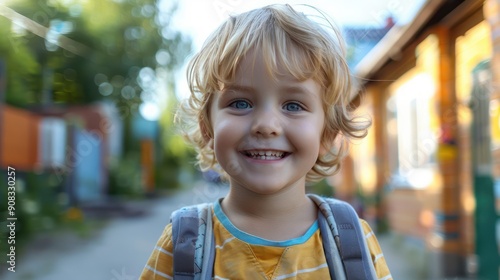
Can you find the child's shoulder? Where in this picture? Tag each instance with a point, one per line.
(190, 214)
(165, 239)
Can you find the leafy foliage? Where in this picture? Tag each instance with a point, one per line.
(70, 52)
(90, 50)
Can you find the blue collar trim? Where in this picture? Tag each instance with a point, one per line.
(255, 240)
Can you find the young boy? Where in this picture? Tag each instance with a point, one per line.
(269, 107)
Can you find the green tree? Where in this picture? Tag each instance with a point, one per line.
(78, 52)
(109, 43)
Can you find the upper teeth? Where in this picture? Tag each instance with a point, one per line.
(266, 153)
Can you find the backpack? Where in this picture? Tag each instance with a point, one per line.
(344, 243)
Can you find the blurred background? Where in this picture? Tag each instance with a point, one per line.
(88, 90)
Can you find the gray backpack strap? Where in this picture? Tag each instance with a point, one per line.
(349, 237)
(353, 247)
(331, 251)
(191, 231)
(208, 245)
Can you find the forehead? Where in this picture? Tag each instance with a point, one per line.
(259, 64)
(254, 75)
(254, 65)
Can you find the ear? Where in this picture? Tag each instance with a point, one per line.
(205, 124)
(210, 143)
(323, 150)
(327, 143)
(206, 134)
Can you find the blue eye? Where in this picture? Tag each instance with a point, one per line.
(294, 107)
(240, 104)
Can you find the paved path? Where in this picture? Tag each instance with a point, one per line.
(406, 261)
(118, 252)
(121, 249)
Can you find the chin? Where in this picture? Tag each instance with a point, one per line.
(266, 189)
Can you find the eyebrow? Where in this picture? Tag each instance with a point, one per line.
(295, 89)
(248, 89)
(239, 88)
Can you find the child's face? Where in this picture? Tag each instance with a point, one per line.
(267, 132)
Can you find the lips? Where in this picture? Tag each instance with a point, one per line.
(265, 154)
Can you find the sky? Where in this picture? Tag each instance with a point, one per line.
(198, 18)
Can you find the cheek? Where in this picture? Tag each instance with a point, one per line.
(308, 137)
(226, 135)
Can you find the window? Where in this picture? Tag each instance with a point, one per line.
(411, 126)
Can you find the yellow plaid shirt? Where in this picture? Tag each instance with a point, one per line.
(236, 251)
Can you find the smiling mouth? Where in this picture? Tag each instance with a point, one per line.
(265, 155)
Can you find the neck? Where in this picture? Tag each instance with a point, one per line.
(287, 204)
(284, 215)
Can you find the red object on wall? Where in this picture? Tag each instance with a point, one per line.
(19, 144)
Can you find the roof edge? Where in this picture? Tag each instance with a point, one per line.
(393, 42)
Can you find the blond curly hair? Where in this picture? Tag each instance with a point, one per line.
(306, 49)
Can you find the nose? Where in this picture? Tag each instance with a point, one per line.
(266, 123)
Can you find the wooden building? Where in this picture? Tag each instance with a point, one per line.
(432, 89)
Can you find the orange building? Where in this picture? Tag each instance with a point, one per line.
(19, 140)
(430, 88)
